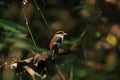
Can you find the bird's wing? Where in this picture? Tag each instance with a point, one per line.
(53, 42)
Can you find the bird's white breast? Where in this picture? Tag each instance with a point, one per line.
(61, 36)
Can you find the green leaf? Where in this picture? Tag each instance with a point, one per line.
(2, 3)
(9, 25)
(71, 41)
(25, 45)
(1, 46)
(98, 34)
(77, 8)
(82, 73)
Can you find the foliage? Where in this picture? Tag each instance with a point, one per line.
(90, 51)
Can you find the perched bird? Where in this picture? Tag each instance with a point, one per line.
(56, 41)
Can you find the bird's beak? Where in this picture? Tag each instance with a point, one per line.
(65, 34)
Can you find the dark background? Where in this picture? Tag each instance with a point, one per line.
(91, 46)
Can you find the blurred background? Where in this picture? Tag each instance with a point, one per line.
(91, 48)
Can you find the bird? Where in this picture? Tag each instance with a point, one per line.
(56, 41)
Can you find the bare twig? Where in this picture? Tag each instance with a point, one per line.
(85, 53)
(4, 64)
(28, 27)
(32, 72)
(60, 72)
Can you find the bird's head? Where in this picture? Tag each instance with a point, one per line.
(62, 33)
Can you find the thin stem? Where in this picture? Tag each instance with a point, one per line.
(44, 2)
(71, 73)
(81, 36)
(20, 77)
(40, 12)
(2, 65)
(60, 72)
(85, 53)
(29, 30)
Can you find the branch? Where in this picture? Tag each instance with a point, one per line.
(43, 17)
(28, 27)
